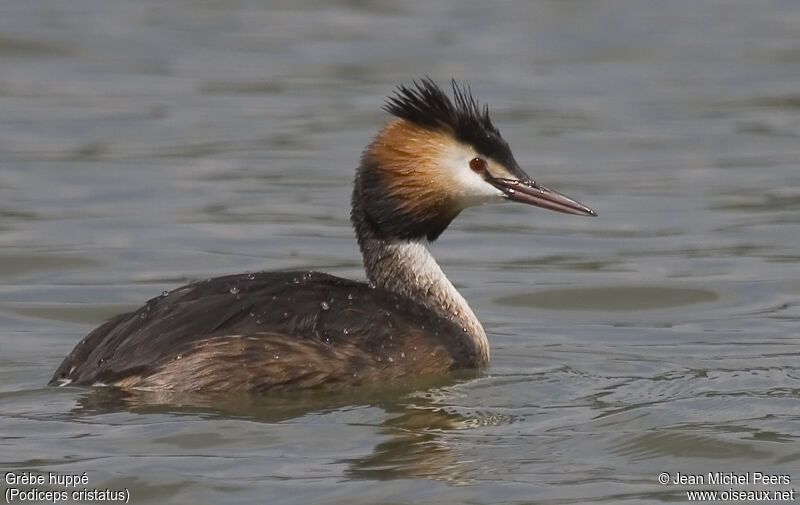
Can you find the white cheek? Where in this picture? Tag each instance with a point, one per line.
(468, 187)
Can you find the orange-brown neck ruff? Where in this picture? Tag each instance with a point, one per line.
(401, 183)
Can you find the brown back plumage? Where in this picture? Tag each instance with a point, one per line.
(268, 330)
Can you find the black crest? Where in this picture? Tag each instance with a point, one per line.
(427, 105)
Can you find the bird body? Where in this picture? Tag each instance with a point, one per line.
(272, 331)
(249, 335)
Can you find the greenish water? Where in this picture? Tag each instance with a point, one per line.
(611, 298)
(144, 144)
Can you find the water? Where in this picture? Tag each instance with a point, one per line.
(145, 144)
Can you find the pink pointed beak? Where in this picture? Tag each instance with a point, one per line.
(532, 193)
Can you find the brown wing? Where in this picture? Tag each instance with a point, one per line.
(271, 362)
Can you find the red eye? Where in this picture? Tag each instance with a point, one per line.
(478, 165)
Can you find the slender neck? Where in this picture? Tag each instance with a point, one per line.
(407, 267)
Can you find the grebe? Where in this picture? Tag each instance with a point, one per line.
(272, 331)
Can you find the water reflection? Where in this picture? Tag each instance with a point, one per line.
(413, 431)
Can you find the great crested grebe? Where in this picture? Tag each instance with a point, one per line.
(272, 331)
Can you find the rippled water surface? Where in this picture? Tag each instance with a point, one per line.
(144, 144)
